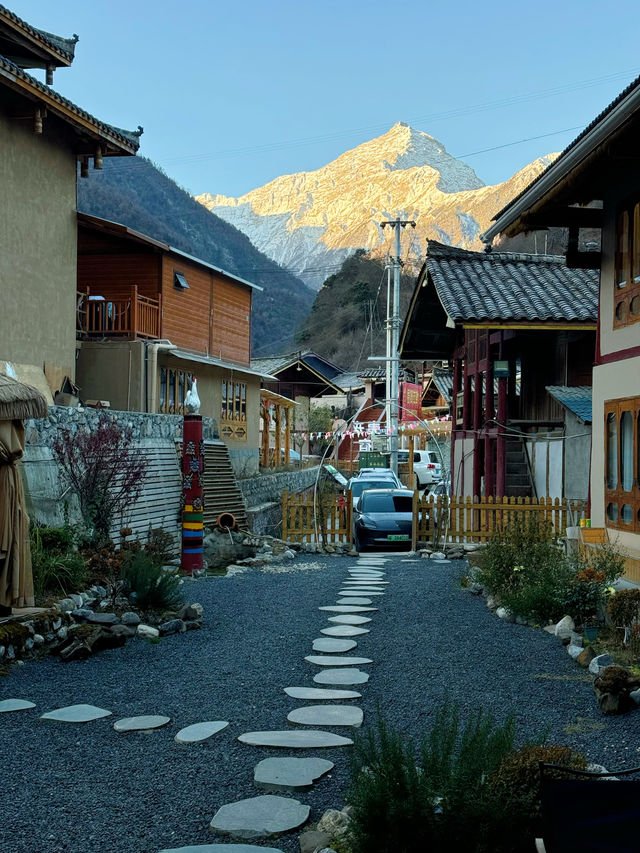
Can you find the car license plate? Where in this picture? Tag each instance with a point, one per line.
(398, 537)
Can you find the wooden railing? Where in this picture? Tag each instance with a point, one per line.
(475, 519)
(327, 520)
(131, 315)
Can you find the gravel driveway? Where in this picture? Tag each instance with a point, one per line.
(84, 787)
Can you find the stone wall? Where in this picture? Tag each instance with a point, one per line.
(263, 497)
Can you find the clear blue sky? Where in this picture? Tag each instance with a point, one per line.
(233, 94)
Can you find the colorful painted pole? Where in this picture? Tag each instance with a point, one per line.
(192, 494)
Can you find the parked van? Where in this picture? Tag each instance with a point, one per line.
(426, 466)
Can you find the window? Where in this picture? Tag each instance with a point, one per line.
(622, 463)
(626, 307)
(233, 410)
(174, 385)
(179, 281)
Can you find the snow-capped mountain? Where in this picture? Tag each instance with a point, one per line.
(310, 222)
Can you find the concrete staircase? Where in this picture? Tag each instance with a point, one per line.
(517, 477)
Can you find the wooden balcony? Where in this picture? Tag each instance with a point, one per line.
(124, 315)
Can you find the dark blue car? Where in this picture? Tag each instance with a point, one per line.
(383, 518)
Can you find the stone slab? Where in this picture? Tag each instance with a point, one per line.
(222, 848)
(76, 714)
(309, 739)
(321, 693)
(354, 601)
(336, 660)
(347, 619)
(22, 704)
(200, 731)
(259, 817)
(327, 715)
(367, 592)
(345, 608)
(344, 631)
(146, 722)
(277, 774)
(365, 582)
(328, 644)
(347, 675)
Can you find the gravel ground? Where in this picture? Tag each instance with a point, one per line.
(75, 788)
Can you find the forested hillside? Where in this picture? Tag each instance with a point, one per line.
(136, 193)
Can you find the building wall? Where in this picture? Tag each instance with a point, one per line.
(462, 474)
(37, 249)
(113, 371)
(186, 314)
(114, 275)
(577, 458)
(231, 325)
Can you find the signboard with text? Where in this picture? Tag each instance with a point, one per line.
(411, 407)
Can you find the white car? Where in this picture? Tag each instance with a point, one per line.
(426, 466)
(380, 473)
(358, 485)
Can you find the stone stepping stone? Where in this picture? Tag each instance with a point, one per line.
(278, 774)
(358, 576)
(327, 715)
(141, 724)
(76, 714)
(346, 619)
(309, 739)
(320, 693)
(364, 581)
(344, 631)
(22, 704)
(222, 848)
(341, 676)
(259, 817)
(347, 592)
(361, 573)
(344, 608)
(354, 601)
(200, 731)
(336, 660)
(326, 644)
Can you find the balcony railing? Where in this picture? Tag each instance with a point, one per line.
(130, 315)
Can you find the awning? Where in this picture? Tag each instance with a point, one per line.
(185, 355)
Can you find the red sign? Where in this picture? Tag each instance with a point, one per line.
(410, 401)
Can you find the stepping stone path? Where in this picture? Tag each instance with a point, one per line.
(354, 601)
(200, 731)
(344, 631)
(259, 817)
(334, 660)
(312, 738)
(343, 608)
(141, 724)
(223, 848)
(76, 714)
(320, 693)
(360, 592)
(22, 704)
(277, 774)
(327, 715)
(327, 644)
(346, 619)
(341, 676)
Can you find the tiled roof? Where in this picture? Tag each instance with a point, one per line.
(130, 139)
(347, 381)
(59, 44)
(605, 112)
(276, 363)
(476, 286)
(576, 399)
(443, 380)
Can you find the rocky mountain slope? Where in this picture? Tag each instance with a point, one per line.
(134, 192)
(311, 221)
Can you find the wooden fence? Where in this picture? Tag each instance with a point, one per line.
(306, 520)
(469, 519)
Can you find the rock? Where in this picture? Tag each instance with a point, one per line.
(82, 614)
(147, 632)
(320, 693)
(10, 653)
(600, 663)
(576, 639)
(102, 619)
(200, 731)
(337, 660)
(193, 624)
(313, 840)
(329, 644)
(341, 676)
(67, 604)
(327, 715)
(142, 723)
(87, 598)
(76, 714)
(7, 705)
(76, 598)
(574, 651)
(259, 817)
(586, 656)
(303, 739)
(28, 643)
(344, 631)
(333, 822)
(505, 613)
(492, 604)
(2, 652)
(565, 628)
(635, 696)
(613, 688)
(475, 588)
(122, 631)
(62, 633)
(100, 591)
(349, 619)
(173, 626)
(191, 611)
(57, 623)
(130, 618)
(438, 555)
(289, 774)
(289, 554)
(38, 640)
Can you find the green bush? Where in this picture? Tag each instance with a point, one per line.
(155, 589)
(624, 607)
(57, 569)
(432, 799)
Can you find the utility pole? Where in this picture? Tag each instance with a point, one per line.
(393, 341)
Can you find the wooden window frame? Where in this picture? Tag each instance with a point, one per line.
(178, 381)
(627, 267)
(618, 495)
(234, 402)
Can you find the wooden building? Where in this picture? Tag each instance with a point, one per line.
(44, 140)
(595, 184)
(510, 325)
(151, 318)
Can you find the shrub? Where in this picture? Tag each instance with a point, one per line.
(57, 569)
(154, 588)
(624, 607)
(161, 546)
(403, 802)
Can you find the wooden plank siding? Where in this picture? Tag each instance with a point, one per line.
(231, 327)
(112, 276)
(186, 314)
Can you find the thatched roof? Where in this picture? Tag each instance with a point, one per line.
(19, 401)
